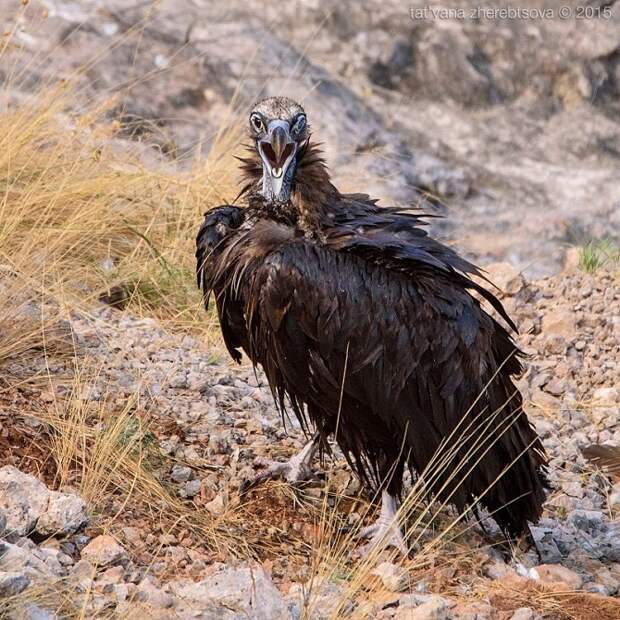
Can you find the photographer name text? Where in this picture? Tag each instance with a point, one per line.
(509, 12)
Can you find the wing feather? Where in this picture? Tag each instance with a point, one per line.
(414, 364)
(373, 334)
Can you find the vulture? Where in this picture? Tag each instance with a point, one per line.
(371, 332)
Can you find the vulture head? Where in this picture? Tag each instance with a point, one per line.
(278, 126)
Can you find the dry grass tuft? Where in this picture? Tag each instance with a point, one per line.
(112, 458)
(81, 214)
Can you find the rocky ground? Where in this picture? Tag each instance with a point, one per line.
(204, 425)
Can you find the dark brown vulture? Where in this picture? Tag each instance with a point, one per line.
(367, 328)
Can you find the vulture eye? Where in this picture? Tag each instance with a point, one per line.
(300, 123)
(257, 122)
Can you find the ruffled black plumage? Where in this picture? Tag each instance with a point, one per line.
(366, 327)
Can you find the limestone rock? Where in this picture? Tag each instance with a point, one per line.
(506, 277)
(246, 589)
(31, 561)
(191, 488)
(558, 574)
(480, 610)
(614, 497)
(323, 594)
(23, 499)
(104, 551)
(35, 612)
(66, 513)
(525, 613)
(29, 505)
(149, 592)
(181, 473)
(12, 583)
(393, 577)
(216, 506)
(607, 396)
(433, 608)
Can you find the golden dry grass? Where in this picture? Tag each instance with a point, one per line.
(80, 214)
(554, 603)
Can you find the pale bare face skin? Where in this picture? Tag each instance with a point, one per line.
(278, 126)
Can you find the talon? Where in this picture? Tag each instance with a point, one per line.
(385, 530)
(295, 470)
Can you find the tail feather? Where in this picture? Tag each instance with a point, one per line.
(519, 494)
(510, 479)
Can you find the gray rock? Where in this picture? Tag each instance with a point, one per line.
(191, 488)
(179, 381)
(546, 544)
(33, 562)
(584, 530)
(83, 576)
(525, 613)
(66, 513)
(244, 591)
(181, 473)
(608, 580)
(29, 505)
(597, 588)
(395, 578)
(195, 380)
(321, 593)
(424, 607)
(148, 591)
(35, 612)
(12, 583)
(23, 499)
(122, 591)
(497, 569)
(587, 520)
(81, 540)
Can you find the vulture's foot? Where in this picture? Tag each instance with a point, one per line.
(386, 529)
(296, 469)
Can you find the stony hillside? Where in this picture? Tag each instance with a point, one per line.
(125, 431)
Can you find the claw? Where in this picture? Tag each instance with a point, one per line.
(385, 530)
(295, 470)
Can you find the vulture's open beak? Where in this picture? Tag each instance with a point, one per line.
(277, 153)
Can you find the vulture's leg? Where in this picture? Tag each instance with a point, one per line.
(386, 529)
(296, 469)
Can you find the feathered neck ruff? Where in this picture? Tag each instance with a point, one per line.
(312, 192)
